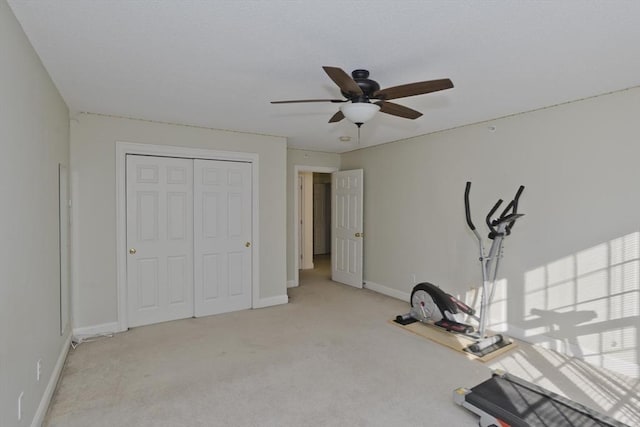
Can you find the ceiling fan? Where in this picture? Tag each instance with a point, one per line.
(359, 91)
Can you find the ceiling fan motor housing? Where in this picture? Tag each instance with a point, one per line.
(368, 86)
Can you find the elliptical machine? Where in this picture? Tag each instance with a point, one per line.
(430, 304)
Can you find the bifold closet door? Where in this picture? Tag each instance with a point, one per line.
(222, 236)
(159, 239)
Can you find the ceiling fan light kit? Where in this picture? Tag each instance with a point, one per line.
(359, 90)
(359, 112)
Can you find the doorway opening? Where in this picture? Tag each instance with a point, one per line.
(313, 223)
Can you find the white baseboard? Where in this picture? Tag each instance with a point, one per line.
(38, 418)
(385, 290)
(292, 284)
(271, 301)
(90, 331)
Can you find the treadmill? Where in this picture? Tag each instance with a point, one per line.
(508, 401)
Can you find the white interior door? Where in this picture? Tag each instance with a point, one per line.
(346, 246)
(159, 239)
(222, 221)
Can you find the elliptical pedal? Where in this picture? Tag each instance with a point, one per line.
(487, 345)
(452, 326)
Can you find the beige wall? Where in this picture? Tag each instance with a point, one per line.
(93, 139)
(309, 160)
(577, 248)
(34, 123)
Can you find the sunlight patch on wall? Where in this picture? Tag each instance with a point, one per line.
(497, 314)
(588, 304)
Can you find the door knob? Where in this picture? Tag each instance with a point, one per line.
(132, 251)
(358, 234)
(247, 244)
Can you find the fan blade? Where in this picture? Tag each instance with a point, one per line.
(398, 110)
(343, 80)
(336, 117)
(411, 89)
(309, 100)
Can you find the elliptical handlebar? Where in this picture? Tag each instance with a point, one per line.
(490, 214)
(510, 210)
(515, 208)
(466, 206)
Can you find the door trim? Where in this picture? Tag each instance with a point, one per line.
(63, 246)
(122, 149)
(296, 216)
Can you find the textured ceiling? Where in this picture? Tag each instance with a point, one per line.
(218, 63)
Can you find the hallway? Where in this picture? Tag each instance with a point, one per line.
(321, 270)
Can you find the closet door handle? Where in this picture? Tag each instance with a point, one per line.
(132, 251)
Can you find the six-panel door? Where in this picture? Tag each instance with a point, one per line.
(347, 227)
(188, 237)
(222, 236)
(159, 239)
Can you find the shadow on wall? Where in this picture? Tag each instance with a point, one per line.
(586, 305)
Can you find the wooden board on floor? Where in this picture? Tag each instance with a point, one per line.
(454, 341)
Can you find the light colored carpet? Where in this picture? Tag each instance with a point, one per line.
(328, 358)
